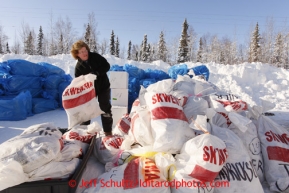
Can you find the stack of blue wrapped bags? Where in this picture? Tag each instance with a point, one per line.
(28, 88)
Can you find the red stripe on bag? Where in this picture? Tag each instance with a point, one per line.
(278, 153)
(124, 126)
(168, 113)
(131, 175)
(71, 103)
(203, 174)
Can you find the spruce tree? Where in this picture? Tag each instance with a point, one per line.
(112, 44)
(152, 54)
(148, 53)
(40, 42)
(1, 49)
(162, 49)
(129, 51)
(144, 56)
(61, 45)
(140, 52)
(134, 53)
(278, 55)
(117, 48)
(29, 47)
(183, 52)
(7, 48)
(200, 51)
(93, 47)
(87, 35)
(254, 52)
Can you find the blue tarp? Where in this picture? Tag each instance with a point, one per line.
(116, 67)
(25, 68)
(16, 108)
(52, 81)
(176, 70)
(51, 69)
(40, 105)
(41, 80)
(201, 70)
(13, 83)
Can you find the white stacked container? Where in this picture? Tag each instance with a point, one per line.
(119, 94)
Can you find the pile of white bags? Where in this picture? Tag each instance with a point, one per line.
(42, 152)
(184, 136)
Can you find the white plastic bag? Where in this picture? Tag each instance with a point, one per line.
(123, 125)
(54, 169)
(170, 128)
(141, 131)
(185, 84)
(238, 169)
(31, 152)
(195, 106)
(226, 102)
(181, 96)
(48, 129)
(251, 141)
(107, 148)
(275, 150)
(69, 151)
(83, 133)
(11, 174)
(79, 100)
(203, 157)
(183, 183)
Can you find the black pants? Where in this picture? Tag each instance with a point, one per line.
(105, 106)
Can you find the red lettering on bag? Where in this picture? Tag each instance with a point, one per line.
(271, 136)
(236, 105)
(76, 90)
(151, 171)
(76, 136)
(80, 100)
(226, 117)
(162, 97)
(111, 141)
(116, 142)
(211, 153)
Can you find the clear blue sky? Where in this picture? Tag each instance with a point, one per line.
(131, 19)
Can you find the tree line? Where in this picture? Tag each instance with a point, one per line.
(269, 47)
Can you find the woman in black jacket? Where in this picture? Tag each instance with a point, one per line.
(88, 62)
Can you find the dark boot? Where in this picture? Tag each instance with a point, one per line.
(107, 120)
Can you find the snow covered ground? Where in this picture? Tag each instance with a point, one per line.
(250, 81)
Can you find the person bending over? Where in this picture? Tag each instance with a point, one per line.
(94, 63)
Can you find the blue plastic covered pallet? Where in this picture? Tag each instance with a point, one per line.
(201, 70)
